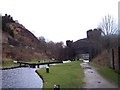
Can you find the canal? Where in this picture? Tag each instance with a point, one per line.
(24, 77)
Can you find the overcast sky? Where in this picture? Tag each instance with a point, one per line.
(59, 20)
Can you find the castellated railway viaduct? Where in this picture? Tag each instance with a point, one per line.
(85, 45)
(96, 45)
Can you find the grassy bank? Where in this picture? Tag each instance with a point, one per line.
(107, 73)
(8, 63)
(67, 75)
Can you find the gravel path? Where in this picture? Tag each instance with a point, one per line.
(93, 79)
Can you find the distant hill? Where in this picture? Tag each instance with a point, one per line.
(18, 42)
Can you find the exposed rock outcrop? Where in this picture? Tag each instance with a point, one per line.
(19, 43)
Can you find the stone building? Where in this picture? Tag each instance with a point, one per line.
(85, 45)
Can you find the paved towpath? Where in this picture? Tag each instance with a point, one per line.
(93, 79)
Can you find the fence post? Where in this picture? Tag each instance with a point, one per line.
(119, 58)
(113, 65)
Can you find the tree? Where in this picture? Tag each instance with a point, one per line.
(7, 19)
(55, 50)
(108, 25)
(109, 30)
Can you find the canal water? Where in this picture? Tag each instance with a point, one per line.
(23, 77)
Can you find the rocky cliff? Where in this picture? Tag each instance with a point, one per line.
(18, 43)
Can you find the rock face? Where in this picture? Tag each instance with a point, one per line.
(19, 43)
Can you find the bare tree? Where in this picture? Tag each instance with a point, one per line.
(108, 25)
(109, 29)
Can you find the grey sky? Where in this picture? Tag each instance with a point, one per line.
(59, 20)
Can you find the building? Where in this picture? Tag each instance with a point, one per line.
(85, 45)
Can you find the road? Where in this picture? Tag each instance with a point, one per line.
(93, 79)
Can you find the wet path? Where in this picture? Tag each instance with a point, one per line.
(93, 79)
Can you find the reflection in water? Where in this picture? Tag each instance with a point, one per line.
(21, 78)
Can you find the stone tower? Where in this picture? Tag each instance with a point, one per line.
(94, 34)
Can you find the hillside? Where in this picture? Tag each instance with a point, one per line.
(18, 42)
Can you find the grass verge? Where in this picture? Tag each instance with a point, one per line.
(67, 75)
(108, 73)
(8, 63)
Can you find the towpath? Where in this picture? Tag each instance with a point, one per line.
(93, 79)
